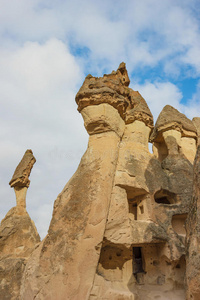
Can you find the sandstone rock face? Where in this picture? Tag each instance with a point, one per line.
(23, 170)
(20, 180)
(18, 235)
(174, 133)
(143, 251)
(196, 122)
(118, 226)
(113, 89)
(18, 238)
(193, 237)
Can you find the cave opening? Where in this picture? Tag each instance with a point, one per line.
(165, 197)
(137, 260)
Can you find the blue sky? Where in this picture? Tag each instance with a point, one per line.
(46, 50)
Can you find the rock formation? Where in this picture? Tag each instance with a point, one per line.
(18, 235)
(118, 226)
(193, 237)
(196, 122)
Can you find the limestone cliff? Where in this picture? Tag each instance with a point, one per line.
(118, 226)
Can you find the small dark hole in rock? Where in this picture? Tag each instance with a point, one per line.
(156, 263)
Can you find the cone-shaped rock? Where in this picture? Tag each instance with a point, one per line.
(171, 119)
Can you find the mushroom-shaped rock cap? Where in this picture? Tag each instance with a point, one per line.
(170, 118)
(113, 89)
(138, 109)
(23, 170)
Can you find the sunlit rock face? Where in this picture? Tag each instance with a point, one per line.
(193, 237)
(118, 226)
(18, 235)
(196, 122)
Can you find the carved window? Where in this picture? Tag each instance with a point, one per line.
(165, 197)
(133, 209)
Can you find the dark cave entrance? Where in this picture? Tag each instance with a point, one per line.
(137, 261)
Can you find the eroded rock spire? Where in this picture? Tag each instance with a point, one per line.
(117, 230)
(20, 180)
(18, 234)
(113, 89)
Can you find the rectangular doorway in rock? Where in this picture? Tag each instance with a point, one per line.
(138, 268)
(132, 210)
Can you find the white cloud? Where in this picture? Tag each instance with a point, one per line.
(159, 94)
(38, 83)
(192, 107)
(39, 77)
(144, 33)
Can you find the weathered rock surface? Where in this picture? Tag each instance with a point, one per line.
(23, 170)
(113, 89)
(143, 251)
(18, 235)
(196, 122)
(18, 238)
(171, 119)
(79, 217)
(193, 237)
(174, 133)
(118, 226)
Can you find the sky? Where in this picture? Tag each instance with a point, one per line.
(48, 47)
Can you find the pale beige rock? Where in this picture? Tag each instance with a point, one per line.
(136, 220)
(102, 118)
(18, 234)
(193, 237)
(188, 148)
(171, 119)
(118, 227)
(174, 134)
(196, 122)
(77, 227)
(20, 193)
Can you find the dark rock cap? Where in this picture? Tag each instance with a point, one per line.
(113, 89)
(171, 118)
(23, 170)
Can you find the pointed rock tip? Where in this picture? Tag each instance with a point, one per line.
(29, 151)
(122, 66)
(122, 69)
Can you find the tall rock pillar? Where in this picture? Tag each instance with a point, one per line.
(193, 231)
(64, 265)
(18, 235)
